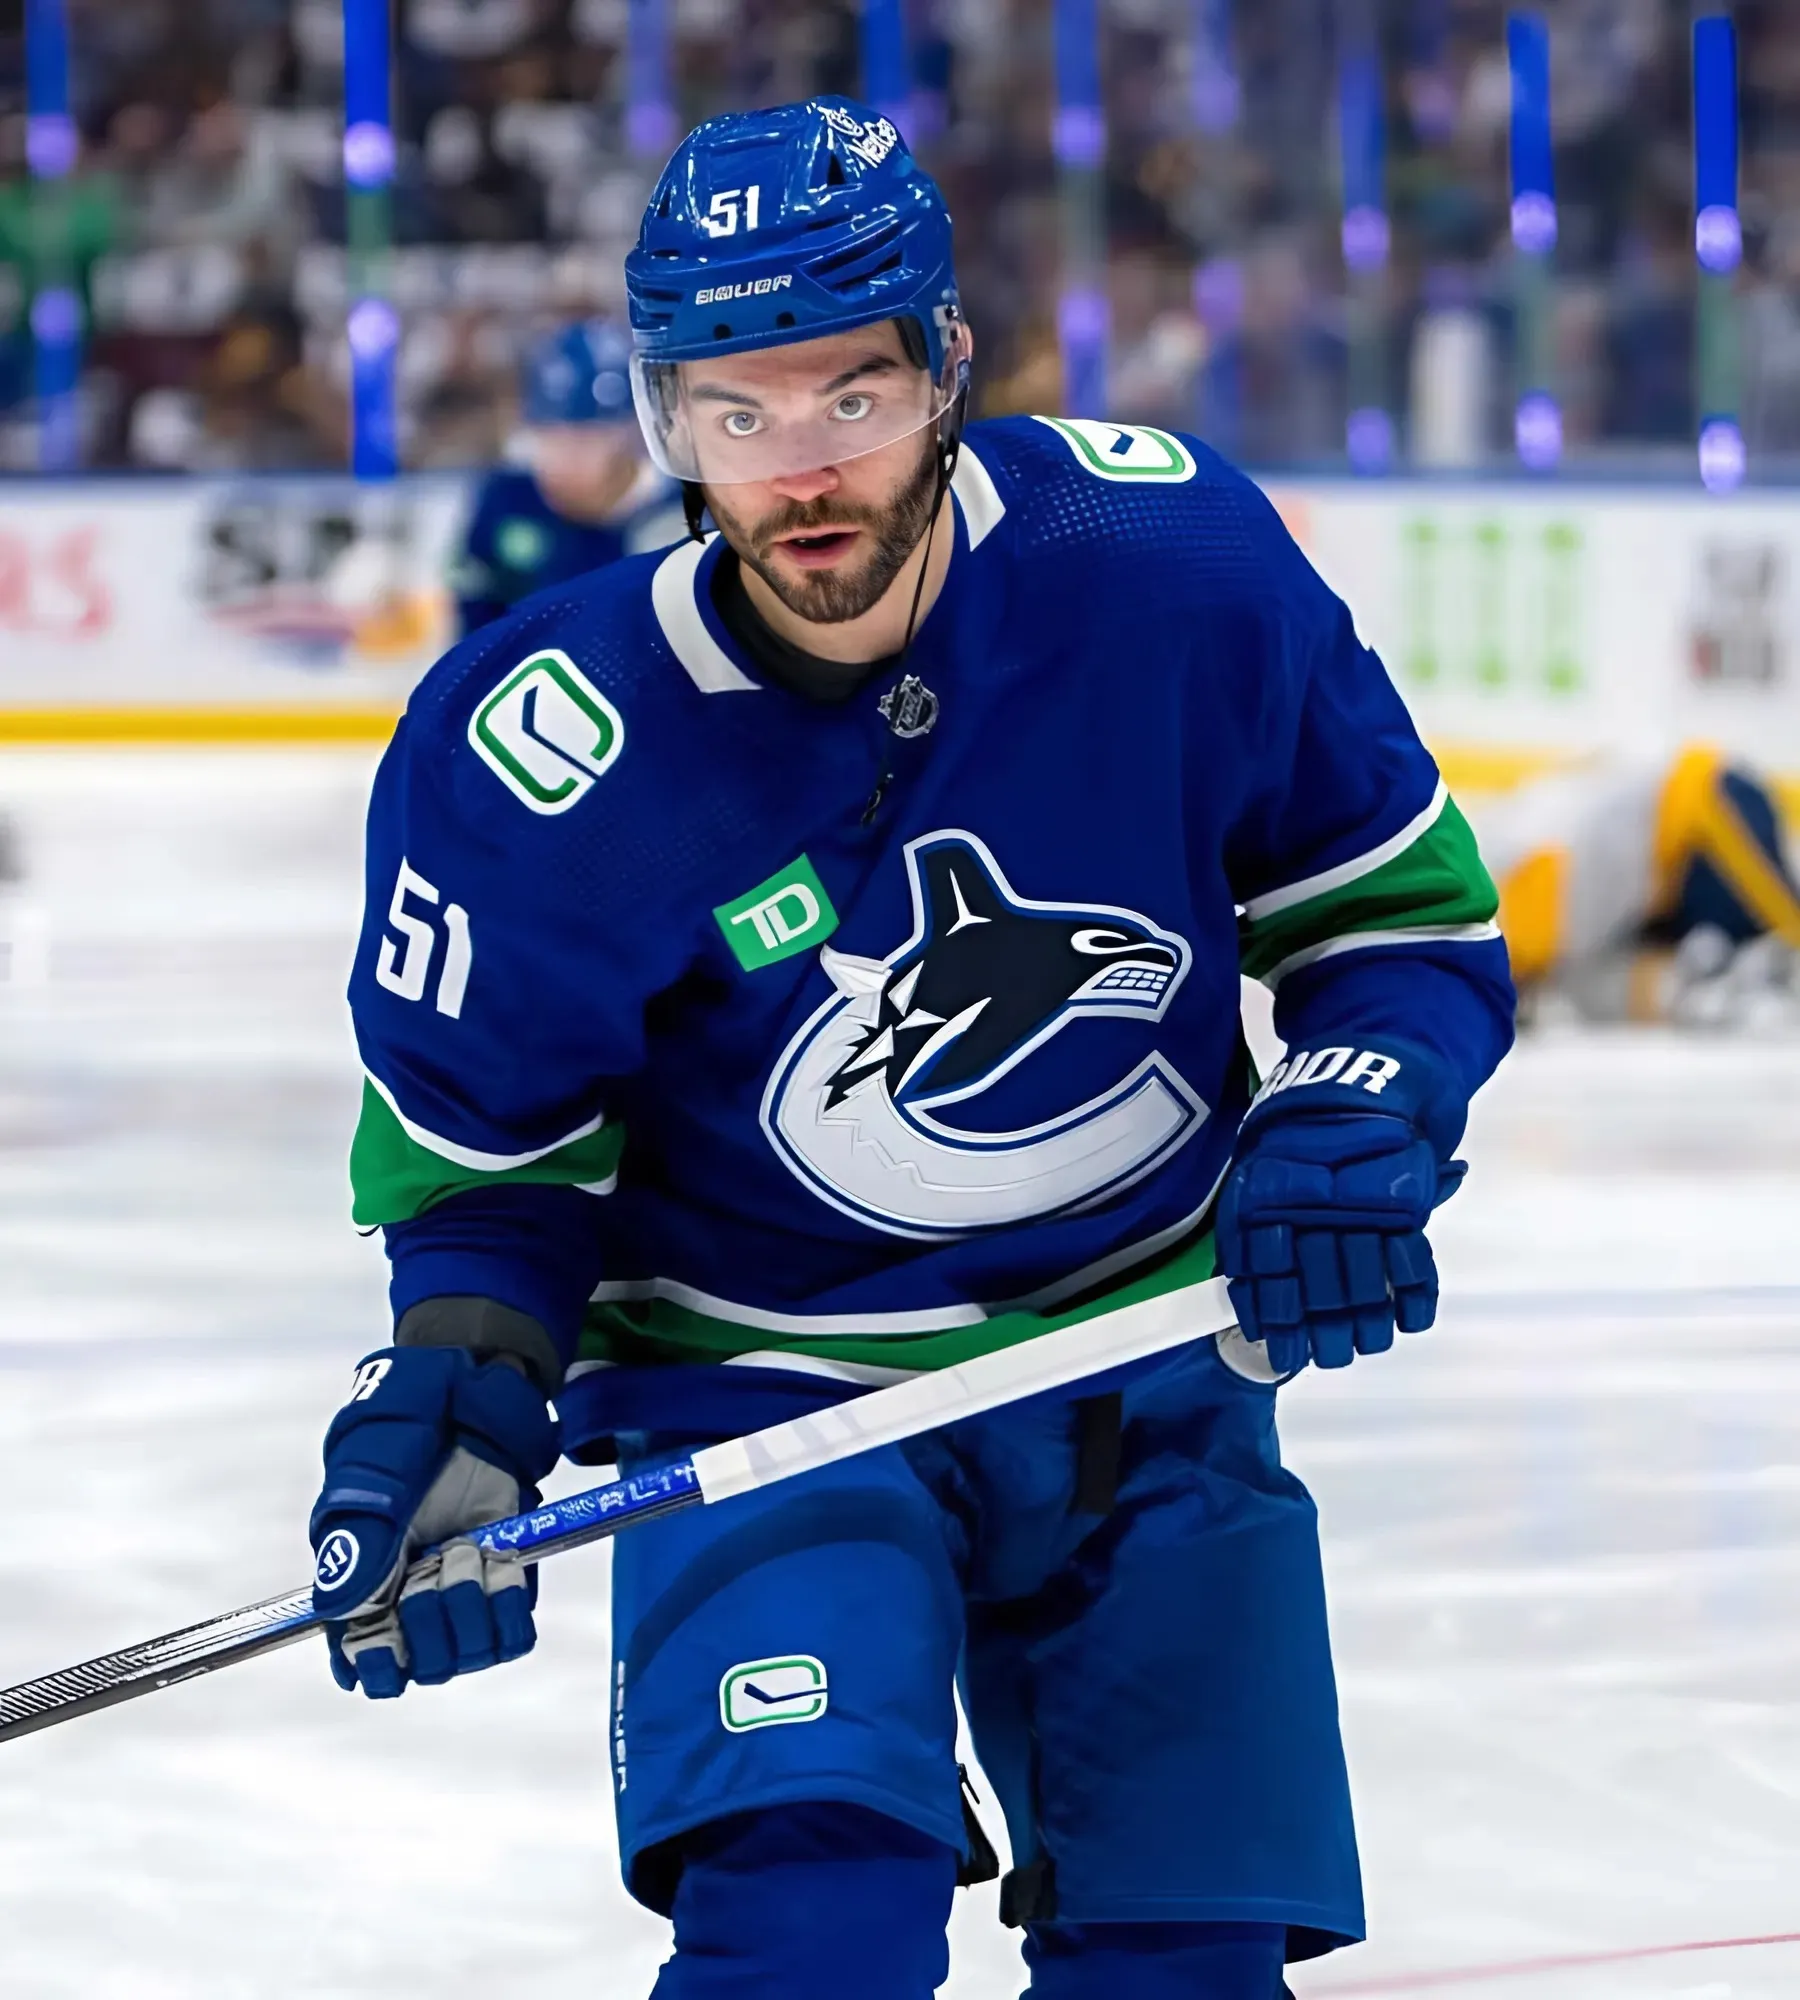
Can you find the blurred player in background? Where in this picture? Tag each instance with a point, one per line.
(581, 493)
(1649, 890)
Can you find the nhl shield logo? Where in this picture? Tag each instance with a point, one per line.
(856, 1104)
(910, 709)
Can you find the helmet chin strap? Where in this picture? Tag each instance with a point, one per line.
(949, 445)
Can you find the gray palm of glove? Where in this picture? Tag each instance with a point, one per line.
(423, 1618)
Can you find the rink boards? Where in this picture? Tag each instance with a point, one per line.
(1526, 623)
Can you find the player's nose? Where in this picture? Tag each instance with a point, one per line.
(804, 486)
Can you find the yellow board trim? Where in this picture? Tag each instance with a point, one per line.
(272, 728)
(1496, 767)
(1483, 767)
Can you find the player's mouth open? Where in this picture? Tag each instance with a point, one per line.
(819, 549)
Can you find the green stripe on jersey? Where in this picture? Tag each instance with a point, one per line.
(394, 1177)
(1438, 881)
(658, 1331)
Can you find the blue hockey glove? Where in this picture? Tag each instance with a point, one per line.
(430, 1445)
(1321, 1220)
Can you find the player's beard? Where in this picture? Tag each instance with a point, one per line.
(834, 596)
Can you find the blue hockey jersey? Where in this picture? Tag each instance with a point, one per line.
(517, 543)
(705, 1022)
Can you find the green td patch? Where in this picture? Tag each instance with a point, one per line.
(1133, 452)
(758, 1694)
(789, 912)
(547, 733)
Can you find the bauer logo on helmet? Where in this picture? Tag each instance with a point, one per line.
(757, 288)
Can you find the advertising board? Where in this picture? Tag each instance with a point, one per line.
(1524, 624)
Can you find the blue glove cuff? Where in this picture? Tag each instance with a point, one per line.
(1357, 1076)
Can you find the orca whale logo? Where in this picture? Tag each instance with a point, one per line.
(986, 978)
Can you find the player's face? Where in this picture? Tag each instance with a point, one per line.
(829, 542)
(584, 470)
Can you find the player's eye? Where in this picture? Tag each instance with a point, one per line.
(742, 423)
(851, 409)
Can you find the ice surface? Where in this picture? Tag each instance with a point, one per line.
(1562, 1532)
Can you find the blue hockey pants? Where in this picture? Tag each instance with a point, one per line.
(1145, 1672)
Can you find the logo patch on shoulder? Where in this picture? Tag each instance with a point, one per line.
(787, 913)
(758, 1694)
(1132, 452)
(547, 733)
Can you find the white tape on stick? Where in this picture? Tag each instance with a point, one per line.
(947, 1395)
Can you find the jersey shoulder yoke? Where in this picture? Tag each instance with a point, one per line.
(1135, 498)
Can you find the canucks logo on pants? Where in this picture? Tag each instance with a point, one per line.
(985, 979)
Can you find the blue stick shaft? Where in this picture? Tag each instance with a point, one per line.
(601, 1510)
(549, 1530)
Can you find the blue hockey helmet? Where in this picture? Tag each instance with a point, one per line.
(772, 227)
(580, 374)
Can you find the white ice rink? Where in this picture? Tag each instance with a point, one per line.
(1562, 1531)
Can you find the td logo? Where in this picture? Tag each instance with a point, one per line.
(547, 733)
(788, 913)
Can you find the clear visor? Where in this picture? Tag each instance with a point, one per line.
(774, 413)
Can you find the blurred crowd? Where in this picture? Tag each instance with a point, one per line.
(204, 222)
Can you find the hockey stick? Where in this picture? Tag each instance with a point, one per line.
(713, 1473)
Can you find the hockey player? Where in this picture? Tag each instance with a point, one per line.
(812, 956)
(1648, 889)
(580, 493)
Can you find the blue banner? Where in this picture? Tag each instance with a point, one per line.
(887, 72)
(51, 147)
(649, 109)
(1715, 113)
(1718, 238)
(1528, 59)
(1079, 133)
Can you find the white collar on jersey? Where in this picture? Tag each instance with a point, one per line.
(708, 665)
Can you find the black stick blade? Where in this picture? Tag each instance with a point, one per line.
(156, 1663)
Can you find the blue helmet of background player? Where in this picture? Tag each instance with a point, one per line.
(771, 227)
(579, 375)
